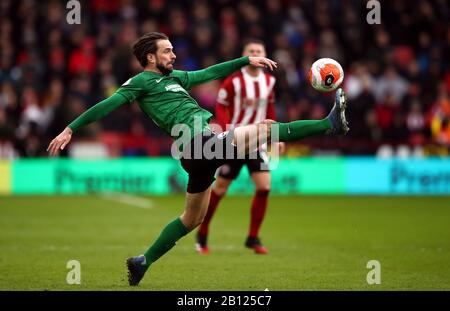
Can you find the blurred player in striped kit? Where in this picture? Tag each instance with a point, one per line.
(246, 97)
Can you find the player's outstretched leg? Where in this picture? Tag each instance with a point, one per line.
(334, 124)
(250, 137)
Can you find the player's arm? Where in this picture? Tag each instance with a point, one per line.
(125, 94)
(222, 70)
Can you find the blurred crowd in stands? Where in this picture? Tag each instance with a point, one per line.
(396, 73)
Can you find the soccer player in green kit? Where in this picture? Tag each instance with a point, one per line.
(161, 92)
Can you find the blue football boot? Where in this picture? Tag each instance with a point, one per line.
(337, 115)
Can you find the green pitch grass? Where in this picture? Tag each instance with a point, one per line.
(315, 243)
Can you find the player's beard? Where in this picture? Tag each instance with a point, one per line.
(164, 70)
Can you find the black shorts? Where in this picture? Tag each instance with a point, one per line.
(202, 166)
(232, 169)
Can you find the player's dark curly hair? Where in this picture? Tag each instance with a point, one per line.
(147, 44)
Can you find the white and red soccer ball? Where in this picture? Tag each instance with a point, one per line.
(326, 74)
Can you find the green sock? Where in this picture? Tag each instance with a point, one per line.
(174, 231)
(296, 130)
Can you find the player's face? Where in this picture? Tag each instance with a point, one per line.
(254, 50)
(165, 57)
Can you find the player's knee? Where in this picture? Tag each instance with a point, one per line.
(191, 221)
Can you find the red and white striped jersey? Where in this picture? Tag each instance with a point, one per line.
(243, 99)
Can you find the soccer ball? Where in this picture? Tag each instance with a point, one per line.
(326, 75)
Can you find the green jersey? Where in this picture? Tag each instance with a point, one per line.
(164, 98)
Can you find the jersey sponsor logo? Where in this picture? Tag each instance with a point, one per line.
(175, 88)
(159, 80)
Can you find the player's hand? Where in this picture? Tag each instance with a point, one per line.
(60, 142)
(262, 62)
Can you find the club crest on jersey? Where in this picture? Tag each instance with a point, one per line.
(175, 88)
